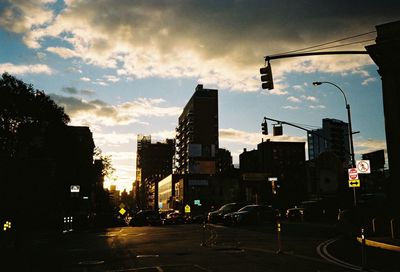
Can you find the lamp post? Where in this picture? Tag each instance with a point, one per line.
(350, 133)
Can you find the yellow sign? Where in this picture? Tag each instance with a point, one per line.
(354, 183)
(187, 208)
(122, 211)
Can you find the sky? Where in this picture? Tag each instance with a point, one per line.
(128, 67)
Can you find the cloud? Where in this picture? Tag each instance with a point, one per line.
(63, 52)
(293, 99)
(368, 80)
(366, 146)
(74, 91)
(317, 107)
(100, 82)
(69, 90)
(309, 98)
(290, 107)
(97, 112)
(111, 78)
(277, 92)
(21, 16)
(85, 79)
(113, 138)
(299, 88)
(25, 69)
(251, 138)
(221, 43)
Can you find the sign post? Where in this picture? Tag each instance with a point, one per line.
(353, 182)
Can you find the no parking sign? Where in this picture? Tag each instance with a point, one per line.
(363, 167)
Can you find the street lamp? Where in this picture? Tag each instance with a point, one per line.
(350, 133)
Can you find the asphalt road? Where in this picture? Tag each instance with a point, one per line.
(303, 247)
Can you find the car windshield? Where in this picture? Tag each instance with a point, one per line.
(247, 208)
(227, 208)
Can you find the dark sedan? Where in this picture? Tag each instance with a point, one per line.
(218, 215)
(145, 218)
(252, 214)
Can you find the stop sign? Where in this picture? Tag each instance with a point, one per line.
(353, 173)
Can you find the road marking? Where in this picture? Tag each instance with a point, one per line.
(147, 256)
(160, 268)
(322, 250)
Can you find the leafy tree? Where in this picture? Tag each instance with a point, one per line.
(106, 161)
(23, 106)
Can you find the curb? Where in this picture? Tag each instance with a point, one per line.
(379, 244)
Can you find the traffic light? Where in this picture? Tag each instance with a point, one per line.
(264, 128)
(278, 130)
(266, 77)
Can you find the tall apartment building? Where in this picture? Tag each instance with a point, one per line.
(333, 136)
(153, 163)
(197, 134)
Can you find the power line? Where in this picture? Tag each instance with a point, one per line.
(322, 44)
(341, 45)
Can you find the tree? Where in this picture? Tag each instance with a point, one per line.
(22, 106)
(106, 163)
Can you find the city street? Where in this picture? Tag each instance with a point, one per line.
(304, 247)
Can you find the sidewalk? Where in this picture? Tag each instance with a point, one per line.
(387, 243)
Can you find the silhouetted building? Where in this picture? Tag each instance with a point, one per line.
(333, 137)
(283, 162)
(153, 163)
(197, 134)
(224, 161)
(375, 182)
(385, 54)
(248, 161)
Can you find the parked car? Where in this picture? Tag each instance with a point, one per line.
(145, 218)
(295, 213)
(252, 214)
(310, 210)
(218, 215)
(174, 217)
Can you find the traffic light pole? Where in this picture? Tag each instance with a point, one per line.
(282, 56)
(266, 72)
(293, 125)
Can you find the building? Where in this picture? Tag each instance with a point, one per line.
(224, 161)
(153, 163)
(274, 173)
(197, 134)
(385, 54)
(333, 137)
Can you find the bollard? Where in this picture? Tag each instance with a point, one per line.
(363, 251)
(374, 225)
(278, 232)
(203, 240)
(392, 229)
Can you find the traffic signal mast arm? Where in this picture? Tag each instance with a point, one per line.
(266, 72)
(296, 126)
(268, 58)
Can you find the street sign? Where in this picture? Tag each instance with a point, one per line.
(75, 188)
(187, 208)
(353, 174)
(354, 183)
(122, 211)
(122, 205)
(363, 167)
(197, 202)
